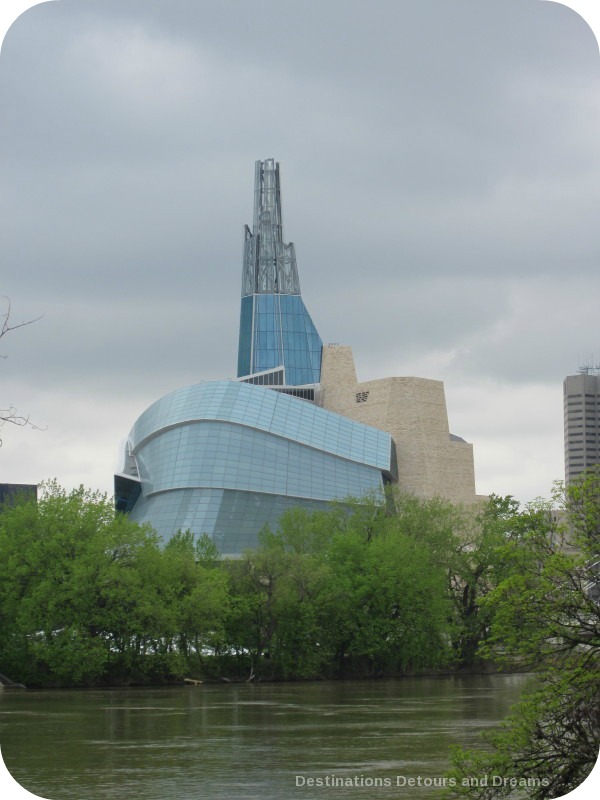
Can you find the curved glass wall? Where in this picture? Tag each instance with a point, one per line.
(265, 410)
(232, 519)
(226, 458)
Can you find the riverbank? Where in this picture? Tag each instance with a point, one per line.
(200, 679)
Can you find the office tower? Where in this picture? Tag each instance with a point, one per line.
(581, 395)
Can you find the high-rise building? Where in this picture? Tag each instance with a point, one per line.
(581, 397)
(296, 428)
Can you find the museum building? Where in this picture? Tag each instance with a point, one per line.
(296, 428)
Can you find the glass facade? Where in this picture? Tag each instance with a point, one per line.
(276, 330)
(233, 519)
(267, 351)
(225, 458)
(245, 345)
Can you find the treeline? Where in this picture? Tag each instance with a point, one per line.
(88, 597)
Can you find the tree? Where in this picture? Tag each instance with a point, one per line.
(76, 586)
(195, 595)
(475, 546)
(547, 616)
(11, 414)
(89, 596)
(274, 617)
(339, 593)
(385, 607)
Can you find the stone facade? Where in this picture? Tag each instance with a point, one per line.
(431, 462)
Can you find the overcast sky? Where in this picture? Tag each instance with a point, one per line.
(441, 182)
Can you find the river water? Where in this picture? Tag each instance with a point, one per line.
(252, 742)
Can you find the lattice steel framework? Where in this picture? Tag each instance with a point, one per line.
(269, 263)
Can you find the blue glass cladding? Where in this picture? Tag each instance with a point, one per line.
(277, 330)
(267, 351)
(244, 349)
(269, 411)
(232, 519)
(226, 458)
(221, 455)
(302, 344)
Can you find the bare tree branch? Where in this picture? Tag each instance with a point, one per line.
(5, 317)
(10, 414)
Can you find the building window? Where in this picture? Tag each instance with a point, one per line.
(361, 397)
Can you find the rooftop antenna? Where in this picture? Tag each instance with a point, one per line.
(589, 368)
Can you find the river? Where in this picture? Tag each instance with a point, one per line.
(246, 741)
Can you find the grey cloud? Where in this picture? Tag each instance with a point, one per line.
(440, 174)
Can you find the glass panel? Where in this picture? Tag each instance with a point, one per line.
(245, 337)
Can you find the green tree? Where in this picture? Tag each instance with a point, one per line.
(384, 608)
(195, 596)
(476, 547)
(71, 587)
(339, 593)
(274, 618)
(547, 616)
(88, 596)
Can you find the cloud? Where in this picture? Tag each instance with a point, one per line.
(440, 181)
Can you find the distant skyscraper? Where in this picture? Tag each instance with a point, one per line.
(582, 421)
(279, 344)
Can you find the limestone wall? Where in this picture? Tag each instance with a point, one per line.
(413, 411)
